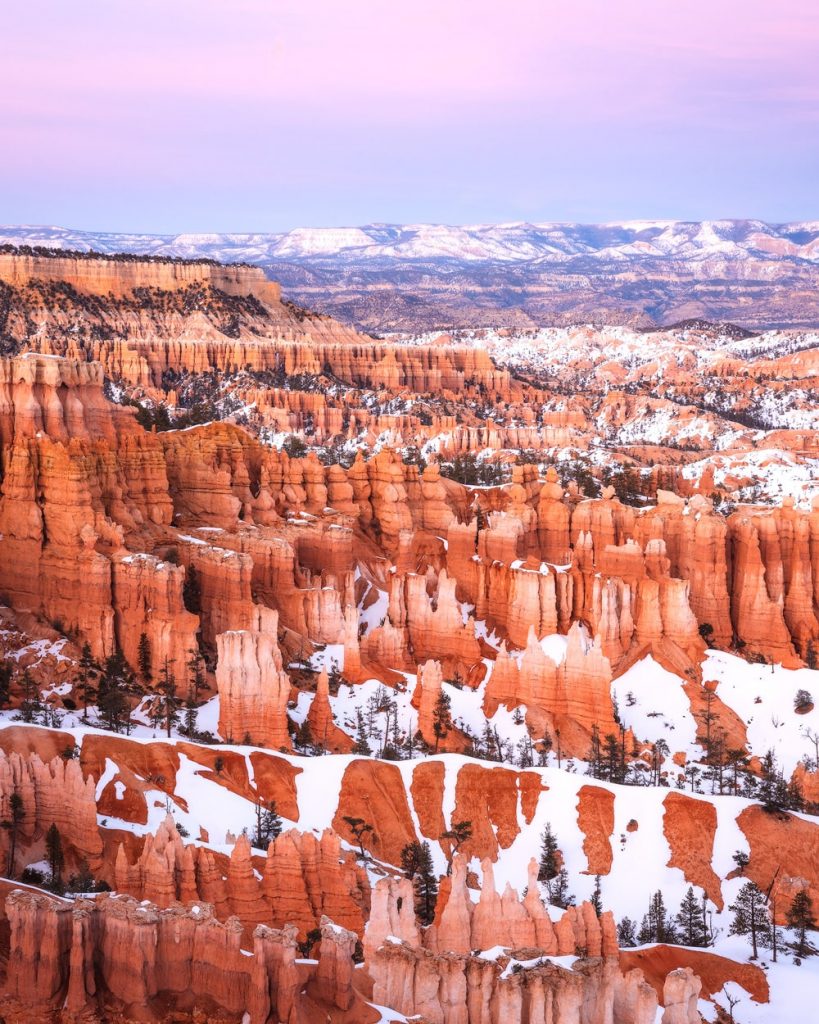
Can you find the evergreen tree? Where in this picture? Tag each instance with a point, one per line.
(626, 933)
(426, 886)
(613, 758)
(691, 922)
(459, 834)
(549, 855)
(800, 919)
(558, 890)
(86, 686)
(12, 825)
(268, 824)
(191, 714)
(31, 705)
(442, 718)
(742, 860)
(111, 694)
(83, 880)
(411, 859)
(5, 680)
(171, 704)
(656, 925)
(595, 760)
(192, 591)
(144, 658)
(416, 863)
(361, 745)
(750, 916)
(359, 829)
(196, 673)
(597, 897)
(54, 853)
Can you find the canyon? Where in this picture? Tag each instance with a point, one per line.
(311, 639)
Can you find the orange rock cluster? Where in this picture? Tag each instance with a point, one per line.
(52, 793)
(302, 878)
(115, 952)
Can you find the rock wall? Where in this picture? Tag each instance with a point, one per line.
(116, 953)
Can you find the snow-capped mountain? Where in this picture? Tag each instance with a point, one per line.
(422, 276)
(508, 243)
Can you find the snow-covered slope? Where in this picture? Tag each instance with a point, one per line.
(512, 243)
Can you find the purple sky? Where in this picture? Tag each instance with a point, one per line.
(198, 115)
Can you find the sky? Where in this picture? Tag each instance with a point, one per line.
(264, 115)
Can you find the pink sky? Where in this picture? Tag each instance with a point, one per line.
(264, 114)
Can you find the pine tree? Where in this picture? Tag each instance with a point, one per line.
(12, 825)
(595, 761)
(171, 705)
(742, 860)
(656, 925)
(597, 897)
(192, 591)
(750, 916)
(54, 853)
(558, 890)
(411, 859)
(460, 833)
(31, 705)
(268, 824)
(196, 674)
(416, 863)
(691, 921)
(191, 714)
(442, 718)
(359, 829)
(111, 694)
(144, 658)
(361, 745)
(626, 933)
(800, 919)
(426, 886)
(5, 680)
(549, 855)
(88, 672)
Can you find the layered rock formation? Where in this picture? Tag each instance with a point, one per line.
(115, 951)
(52, 793)
(299, 879)
(253, 687)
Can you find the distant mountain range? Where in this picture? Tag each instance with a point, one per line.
(386, 277)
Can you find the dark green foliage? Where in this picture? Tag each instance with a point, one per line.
(468, 469)
(691, 924)
(359, 829)
(626, 933)
(12, 826)
(268, 824)
(750, 916)
(549, 859)
(416, 863)
(112, 692)
(656, 925)
(192, 591)
(597, 897)
(558, 890)
(5, 680)
(55, 856)
(442, 718)
(144, 657)
(800, 918)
